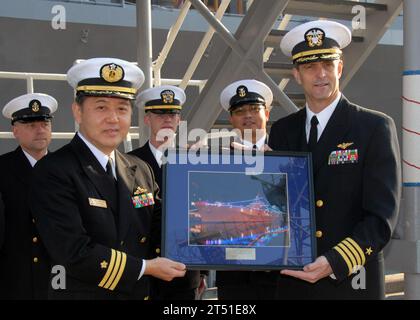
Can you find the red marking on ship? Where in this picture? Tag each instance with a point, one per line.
(216, 221)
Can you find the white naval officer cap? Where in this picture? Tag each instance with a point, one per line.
(247, 91)
(316, 41)
(109, 77)
(162, 99)
(30, 107)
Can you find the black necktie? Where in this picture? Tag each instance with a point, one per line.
(313, 134)
(111, 177)
(109, 169)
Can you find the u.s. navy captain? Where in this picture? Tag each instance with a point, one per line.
(357, 173)
(95, 205)
(162, 106)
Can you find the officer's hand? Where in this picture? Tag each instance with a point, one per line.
(202, 287)
(164, 269)
(200, 144)
(267, 148)
(240, 146)
(312, 272)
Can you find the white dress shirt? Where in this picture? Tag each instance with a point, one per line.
(156, 153)
(323, 117)
(100, 156)
(31, 159)
(248, 144)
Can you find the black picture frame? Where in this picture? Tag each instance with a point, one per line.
(216, 215)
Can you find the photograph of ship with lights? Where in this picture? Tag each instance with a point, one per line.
(255, 215)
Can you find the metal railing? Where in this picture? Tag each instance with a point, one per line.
(112, 3)
(237, 7)
(30, 77)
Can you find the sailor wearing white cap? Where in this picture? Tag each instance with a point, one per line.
(24, 269)
(94, 203)
(249, 103)
(162, 106)
(356, 166)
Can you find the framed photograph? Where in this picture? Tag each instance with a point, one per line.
(238, 212)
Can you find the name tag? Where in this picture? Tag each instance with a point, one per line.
(98, 203)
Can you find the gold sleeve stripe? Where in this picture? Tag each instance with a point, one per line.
(120, 272)
(357, 247)
(354, 251)
(345, 259)
(110, 267)
(115, 271)
(349, 254)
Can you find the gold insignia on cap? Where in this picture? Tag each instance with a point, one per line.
(242, 91)
(35, 106)
(369, 251)
(314, 37)
(104, 264)
(112, 72)
(140, 190)
(167, 96)
(345, 145)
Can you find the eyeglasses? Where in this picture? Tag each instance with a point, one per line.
(253, 109)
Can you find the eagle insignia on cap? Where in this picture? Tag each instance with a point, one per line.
(314, 37)
(34, 105)
(167, 96)
(112, 72)
(242, 91)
